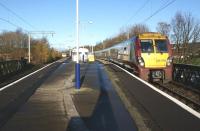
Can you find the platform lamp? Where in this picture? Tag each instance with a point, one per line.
(77, 68)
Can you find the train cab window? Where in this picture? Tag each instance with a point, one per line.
(147, 46)
(161, 45)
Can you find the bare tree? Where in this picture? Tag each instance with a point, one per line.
(185, 29)
(138, 29)
(12, 44)
(177, 28)
(163, 28)
(196, 36)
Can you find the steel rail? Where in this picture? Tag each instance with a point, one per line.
(184, 99)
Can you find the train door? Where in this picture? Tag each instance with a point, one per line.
(126, 53)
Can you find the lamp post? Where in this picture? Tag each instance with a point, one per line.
(77, 68)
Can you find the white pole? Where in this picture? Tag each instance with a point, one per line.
(29, 48)
(77, 31)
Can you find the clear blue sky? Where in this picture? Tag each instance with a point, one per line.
(108, 17)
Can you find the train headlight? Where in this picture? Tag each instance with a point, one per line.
(169, 61)
(141, 61)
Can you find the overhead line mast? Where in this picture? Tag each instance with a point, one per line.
(29, 40)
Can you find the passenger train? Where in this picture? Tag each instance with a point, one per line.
(148, 54)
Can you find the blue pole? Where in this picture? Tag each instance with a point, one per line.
(78, 81)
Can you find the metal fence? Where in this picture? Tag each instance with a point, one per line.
(187, 74)
(12, 66)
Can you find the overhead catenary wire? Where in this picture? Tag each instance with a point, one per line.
(138, 10)
(11, 23)
(18, 16)
(157, 11)
(7, 21)
(164, 5)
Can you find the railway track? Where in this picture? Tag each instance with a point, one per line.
(185, 95)
(188, 96)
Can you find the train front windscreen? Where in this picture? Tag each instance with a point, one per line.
(147, 46)
(154, 52)
(161, 46)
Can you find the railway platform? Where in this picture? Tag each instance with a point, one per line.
(44, 110)
(109, 100)
(98, 104)
(56, 105)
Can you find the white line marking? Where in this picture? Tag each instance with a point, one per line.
(187, 108)
(1, 89)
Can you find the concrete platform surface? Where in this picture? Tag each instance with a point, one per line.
(98, 104)
(56, 105)
(45, 110)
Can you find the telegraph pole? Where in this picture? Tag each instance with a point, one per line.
(29, 40)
